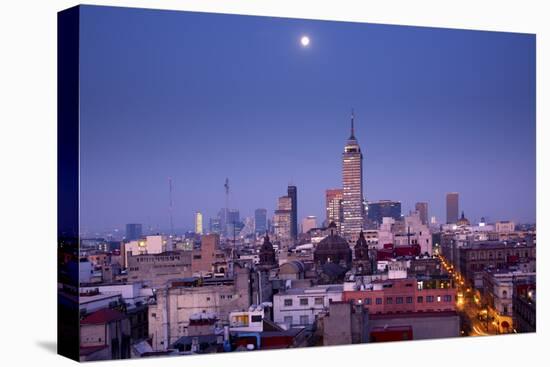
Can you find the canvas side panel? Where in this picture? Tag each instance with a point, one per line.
(68, 181)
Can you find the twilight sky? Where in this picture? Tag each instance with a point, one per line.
(200, 97)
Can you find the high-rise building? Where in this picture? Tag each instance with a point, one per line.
(422, 209)
(215, 225)
(229, 220)
(282, 218)
(452, 207)
(383, 209)
(198, 223)
(292, 192)
(260, 220)
(308, 223)
(133, 231)
(352, 185)
(334, 207)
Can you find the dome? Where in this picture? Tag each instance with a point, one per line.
(463, 221)
(333, 248)
(333, 242)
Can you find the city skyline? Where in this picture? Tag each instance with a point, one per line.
(294, 134)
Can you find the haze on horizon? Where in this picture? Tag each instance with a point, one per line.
(200, 97)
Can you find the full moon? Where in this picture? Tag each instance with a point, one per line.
(304, 41)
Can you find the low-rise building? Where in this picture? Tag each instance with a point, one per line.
(299, 307)
(169, 317)
(104, 334)
(393, 296)
(156, 269)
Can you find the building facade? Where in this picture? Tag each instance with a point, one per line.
(283, 218)
(260, 220)
(452, 207)
(352, 187)
(298, 307)
(292, 192)
(333, 199)
(133, 231)
(198, 223)
(422, 209)
(377, 210)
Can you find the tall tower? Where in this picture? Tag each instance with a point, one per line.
(352, 186)
(198, 223)
(452, 207)
(292, 192)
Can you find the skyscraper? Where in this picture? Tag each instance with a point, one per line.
(260, 220)
(292, 192)
(282, 218)
(452, 207)
(422, 209)
(308, 223)
(384, 209)
(133, 231)
(198, 223)
(352, 183)
(333, 199)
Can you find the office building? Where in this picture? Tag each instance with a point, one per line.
(260, 220)
(133, 231)
(335, 214)
(308, 223)
(452, 207)
(282, 219)
(352, 185)
(292, 192)
(198, 223)
(422, 209)
(384, 209)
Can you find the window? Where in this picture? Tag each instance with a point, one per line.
(504, 294)
(419, 299)
(379, 301)
(304, 301)
(367, 301)
(304, 320)
(319, 301)
(288, 320)
(389, 300)
(409, 300)
(288, 302)
(399, 300)
(256, 318)
(447, 298)
(429, 299)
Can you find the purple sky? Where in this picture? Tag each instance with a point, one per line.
(200, 97)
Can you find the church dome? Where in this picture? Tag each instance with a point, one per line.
(333, 248)
(463, 221)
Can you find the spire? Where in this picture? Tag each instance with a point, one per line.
(352, 136)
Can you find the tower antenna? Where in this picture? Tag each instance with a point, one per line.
(226, 186)
(171, 206)
(352, 124)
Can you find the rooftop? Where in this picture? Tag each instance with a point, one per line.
(103, 316)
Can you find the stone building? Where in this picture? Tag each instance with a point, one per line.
(333, 249)
(267, 254)
(169, 317)
(156, 269)
(344, 323)
(361, 259)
